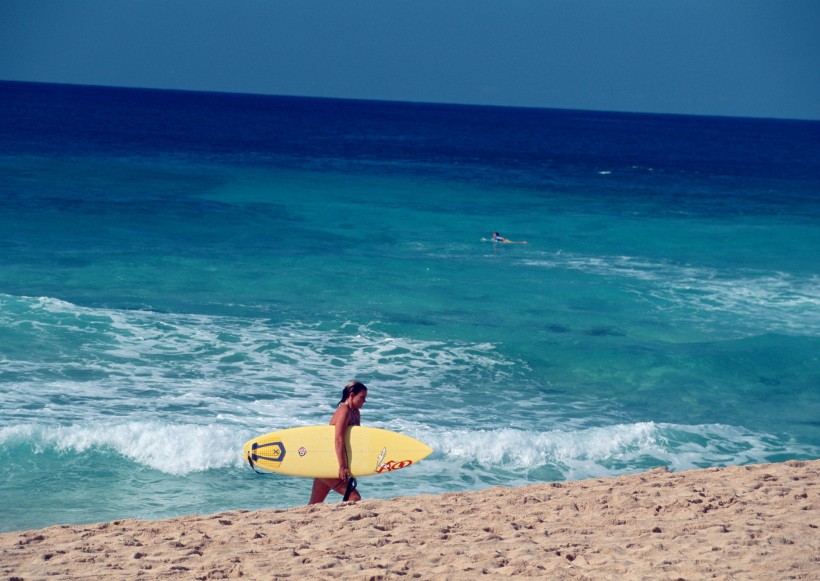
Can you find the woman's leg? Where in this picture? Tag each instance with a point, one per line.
(322, 486)
(320, 490)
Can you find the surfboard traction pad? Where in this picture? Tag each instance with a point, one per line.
(274, 456)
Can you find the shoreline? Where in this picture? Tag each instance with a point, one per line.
(756, 521)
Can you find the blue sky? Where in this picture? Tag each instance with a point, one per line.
(758, 58)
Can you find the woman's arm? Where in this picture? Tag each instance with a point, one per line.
(340, 421)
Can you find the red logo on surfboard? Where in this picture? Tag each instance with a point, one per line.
(391, 465)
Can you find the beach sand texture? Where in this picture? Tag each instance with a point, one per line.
(747, 522)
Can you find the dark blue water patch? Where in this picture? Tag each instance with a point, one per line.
(630, 155)
(558, 328)
(89, 223)
(605, 331)
(409, 319)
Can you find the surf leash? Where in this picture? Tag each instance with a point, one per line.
(253, 465)
(351, 486)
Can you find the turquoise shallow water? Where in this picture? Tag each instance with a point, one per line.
(168, 292)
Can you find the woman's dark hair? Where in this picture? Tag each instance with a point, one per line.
(353, 388)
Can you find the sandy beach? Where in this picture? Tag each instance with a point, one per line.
(749, 522)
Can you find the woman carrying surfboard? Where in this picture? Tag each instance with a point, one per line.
(347, 414)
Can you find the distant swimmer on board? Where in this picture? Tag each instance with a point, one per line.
(354, 396)
(499, 238)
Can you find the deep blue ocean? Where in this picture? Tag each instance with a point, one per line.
(183, 271)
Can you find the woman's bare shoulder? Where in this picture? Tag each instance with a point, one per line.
(340, 415)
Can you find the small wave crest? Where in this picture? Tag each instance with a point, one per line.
(611, 450)
(170, 448)
(181, 449)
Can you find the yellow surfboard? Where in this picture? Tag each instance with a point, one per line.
(310, 452)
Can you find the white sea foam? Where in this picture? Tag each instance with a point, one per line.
(170, 448)
(180, 393)
(750, 302)
(608, 450)
(778, 297)
(179, 449)
(101, 363)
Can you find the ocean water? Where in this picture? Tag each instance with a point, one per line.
(183, 271)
